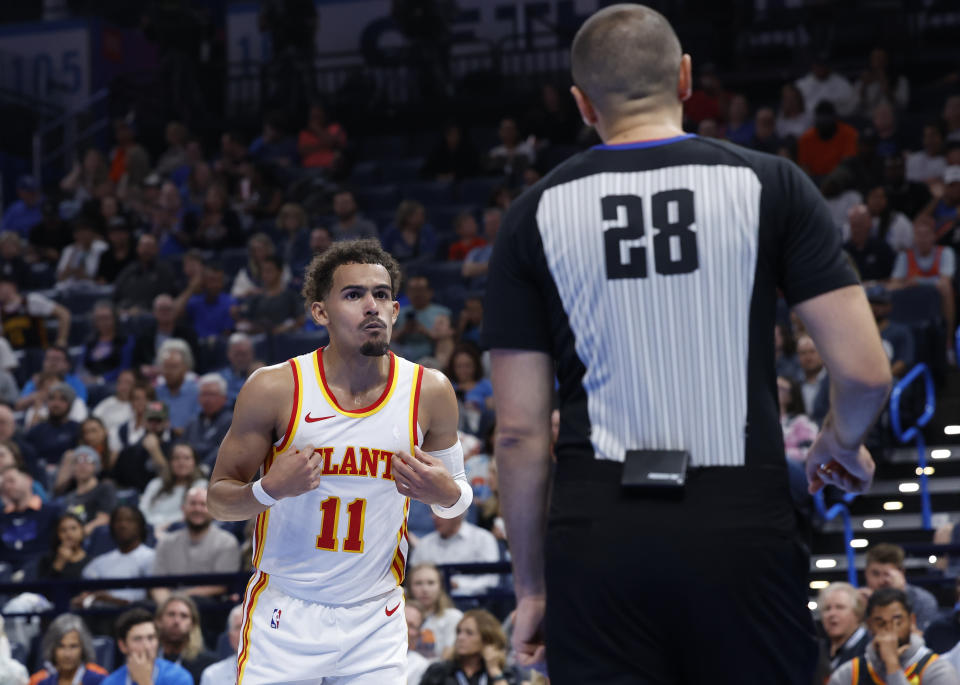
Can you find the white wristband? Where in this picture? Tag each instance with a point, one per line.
(261, 494)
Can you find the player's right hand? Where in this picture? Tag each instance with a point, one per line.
(527, 636)
(830, 463)
(294, 472)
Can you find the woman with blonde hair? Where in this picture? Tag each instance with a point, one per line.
(162, 498)
(248, 281)
(479, 655)
(440, 617)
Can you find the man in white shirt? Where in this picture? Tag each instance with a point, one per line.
(81, 258)
(822, 83)
(131, 559)
(456, 541)
(928, 164)
(225, 670)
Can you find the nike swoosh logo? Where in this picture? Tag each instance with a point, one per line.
(391, 611)
(310, 419)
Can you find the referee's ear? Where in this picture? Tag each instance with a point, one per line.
(685, 79)
(587, 111)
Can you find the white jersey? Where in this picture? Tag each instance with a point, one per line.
(345, 541)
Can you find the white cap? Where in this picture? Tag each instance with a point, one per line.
(952, 174)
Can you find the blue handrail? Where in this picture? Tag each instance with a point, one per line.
(914, 432)
(840, 509)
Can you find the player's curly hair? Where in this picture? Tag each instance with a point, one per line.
(318, 278)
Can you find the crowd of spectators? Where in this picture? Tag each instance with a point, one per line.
(139, 293)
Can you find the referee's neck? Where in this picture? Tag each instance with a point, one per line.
(643, 125)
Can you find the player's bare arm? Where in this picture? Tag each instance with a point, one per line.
(423, 476)
(260, 416)
(522, 387)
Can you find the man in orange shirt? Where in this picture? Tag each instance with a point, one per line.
(826, 143)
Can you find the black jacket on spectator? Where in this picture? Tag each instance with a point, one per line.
(943, 633)
(51, 440)
(106, 360)
(70, 571)
(909, 198)
(137, 285)
(145, 346)
(875, 261)
(25, 535)
(134, 468)
(445, 673)
(462, 162)
(110, 266)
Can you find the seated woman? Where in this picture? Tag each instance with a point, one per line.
(440, 617)
(248, 280)
(479, 654)
(115, 410)
(106, 352)
(68, 655)
(84, 494)
(67, 556)
(133, 429)
(10, 455)
(276, 309)
(216, 226)
(799, 431)
(162, 499)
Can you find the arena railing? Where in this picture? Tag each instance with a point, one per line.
(60, 592)
(914, 431)
(56, 143)
(841, 510)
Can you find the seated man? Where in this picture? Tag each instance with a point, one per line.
(23, 316)
(207, 429)
(423, 328)
(841, 613)
(896, 655)
(178, 630)
(56, 360)
(131, 559)
(927, 264)
(459, 541)
(199, 547)
(178, 391)
(242, 364)
(225, 670)
(58, 433)
(207, 304)
(27, 523)
(136, 635)
(885, 569)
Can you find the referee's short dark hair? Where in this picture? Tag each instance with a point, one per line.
(887, 596)
(625, 53)
(318, 278)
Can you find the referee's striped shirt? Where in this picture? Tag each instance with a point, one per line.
(649, 271)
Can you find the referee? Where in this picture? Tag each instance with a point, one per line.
(643, 275)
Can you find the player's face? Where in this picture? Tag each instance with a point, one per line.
(425, 586)
(838, 615)
(359, 311)
(468, 640)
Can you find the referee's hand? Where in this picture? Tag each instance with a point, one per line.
(830, 463)
(528, 633)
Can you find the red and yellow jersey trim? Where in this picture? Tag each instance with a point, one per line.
(415, 406)
(255, 587)
(855, 674)
(263, 518)
(910, 673)
(358, 413)
(399, 564)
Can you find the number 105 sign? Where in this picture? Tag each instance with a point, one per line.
(49, 61)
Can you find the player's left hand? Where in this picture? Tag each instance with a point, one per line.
(425, 478)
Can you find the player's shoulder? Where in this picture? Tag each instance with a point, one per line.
(436, 385)
(273, 378)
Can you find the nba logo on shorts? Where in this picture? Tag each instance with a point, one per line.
(275, 619)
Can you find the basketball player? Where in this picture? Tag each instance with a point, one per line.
(643, 274)
(343, 437)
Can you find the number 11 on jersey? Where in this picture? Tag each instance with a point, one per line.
(330, 508)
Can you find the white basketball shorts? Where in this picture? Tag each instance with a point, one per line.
(288, 640)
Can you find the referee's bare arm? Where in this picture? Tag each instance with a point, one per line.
(522, 385)
(843, 328)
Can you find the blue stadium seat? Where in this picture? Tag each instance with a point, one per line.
(292, 344)
(233, 259)
(384, 147)
(81, 326)
(366, 174)
(104, 650)
(401, 170)
(443, 216)
(82, 301)
(442, 275)
(378, 198)
(918, 304)
(477, 191)
(429, 192)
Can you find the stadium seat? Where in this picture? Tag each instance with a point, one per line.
(916, 304)
(429, 192)
(477, 191)
(292, 344)
(81, 301)
(105, 650)
(233, 259)
(378, 198)
(401, 170)
(442, 275)
(366, 174)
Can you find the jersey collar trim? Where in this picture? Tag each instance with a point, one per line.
(641, 144)
(358, 413)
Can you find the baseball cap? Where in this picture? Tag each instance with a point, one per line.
(952, 174)
(87, 454)
(27, 182)
(155, 410)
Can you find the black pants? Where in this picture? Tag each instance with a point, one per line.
(710, 589)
